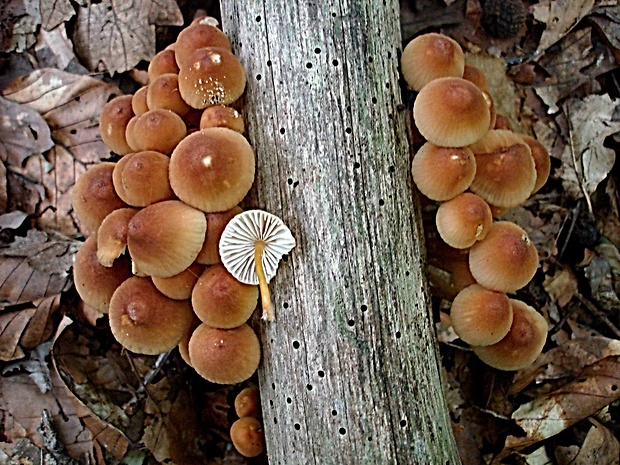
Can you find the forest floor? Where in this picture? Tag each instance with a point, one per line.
(69, 394)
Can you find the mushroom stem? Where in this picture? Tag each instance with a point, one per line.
(262, 282)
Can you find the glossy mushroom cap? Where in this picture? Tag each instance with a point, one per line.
(481, 317)
(506, 260)
(198, 36)
(222, 116)
(505, 169)
(463, 220)
(451, 112)
(94, 196)
(184, 343)
(139, 104)
(442, 173)
(179, 286)
(212, 169)
(211, 76)
(163, 63)
(113, 121)
(431, 56)
(247, 403)
(129, 134)
(94, 282)
(216, 222)
(144, 179)
(220, 301)
(542, 161)
(112, 235)
(523, 343)
(476, 76)
(224, 356)
(163, 92)
(247, 436)
(159, 130)
(145, 321)
(156, 242)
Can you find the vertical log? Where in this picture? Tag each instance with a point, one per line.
(350, 370)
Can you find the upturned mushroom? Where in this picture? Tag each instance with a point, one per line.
(248, 437)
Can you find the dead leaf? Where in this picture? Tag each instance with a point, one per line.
(55, 12)
(607, 18)
(23, 132)
(601, 277)
(559, 16)
(12, 324)
(596, 387)
(600, 447)
(54, 49)
(4, 198)
(19, 20)
(121, 33)
(561, 286)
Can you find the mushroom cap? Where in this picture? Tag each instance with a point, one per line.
(117, 174)
(179, 286)
(542, 161)
(239, 240)
(220, 301)
(463, 220)
(247, 402)
(523, 343)
(94, 196)
(222, 116)
(112, 235)
(113, 121)
(481, 317)
(145, 321)
(162, 63)
(491, 105)
(224, 356)
(94, 282)
(138, 103)
(159, 130)
(184, 343)
(505, 260)
(211, 76)
(144, 178)
(248, 437)
(505, 169)
(431, 56)
(163, 92)
(441, 173)
(451, 112)
(212, 169)
(198, 36)
(156, 243)
(129, 134)
(502, 122)
(476, 76)
(216, 222)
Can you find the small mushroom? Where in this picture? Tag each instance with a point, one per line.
(139, 104)
(463, 220)
(112, 235)
(222, 116)
(542, 161)
(163, 92)
(179, 286)
(476, 76)
(144, 179)
(198, 36)
(247, 403)
(159, 130)
(113, 122)
(247, 436)
(162, 63)
(216, 222)
(251, 247)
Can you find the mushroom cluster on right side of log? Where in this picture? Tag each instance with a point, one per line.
(477, 168)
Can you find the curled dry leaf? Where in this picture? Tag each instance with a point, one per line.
(120, 34)
(600, 447)
(19, 20)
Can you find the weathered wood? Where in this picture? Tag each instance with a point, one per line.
(350, 370)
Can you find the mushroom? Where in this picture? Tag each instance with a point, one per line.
(144, 179)
(113, 121)
(481, 317)
(162, 63)
(542, 161)
(112, 235)
(431, 56)
(247, 403)
(139, 103)
(159, 130)
(463, 220)
(163, 92)
(451, 112)
(224, 356)
(476, 76)
(198, 36)
(251, 247)
(179, 286)
(222, 116)
(145, 321)
(216, 222)
(247, 436)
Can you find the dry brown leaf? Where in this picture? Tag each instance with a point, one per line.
(23, 132)
(55, 12)
(561, 286)
(602, 272)
(54, 49)
(559, 16)
(4, 198)
(35, 266)
(120, 34)
(12, 325)
(19, 20)
(600, 447)
(597, 386)
(607, 18)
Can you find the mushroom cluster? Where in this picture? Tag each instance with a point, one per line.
(154, 218)
(476, 167)
(246, 432)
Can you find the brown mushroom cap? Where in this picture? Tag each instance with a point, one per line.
(247, 403)
(112, 235)
(198, 36)
(441, 173)
(113, 121)
(184, 343)
(502, 122)
(179, 286)
(156, 243)
(145, 321)
(505, 260)
(542, 161)
(139, 103)
(221, 301)
(163, 92)
(224, 356)
(117, 175)
(129, 134)
(212, 169)
(247, 436)
(481, 317)
(451, 112)
(476, 76)
(159, 130)
(144, 178)
(94, 196)
(523, 343)
(431, 56)
(211, 76)
(463, 220)
(162, 63)
(94, 282)
(222, 116)
(505, 169)
(216, 222)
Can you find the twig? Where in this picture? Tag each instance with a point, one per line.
(146, 380)
(572, 152)
(571, 228)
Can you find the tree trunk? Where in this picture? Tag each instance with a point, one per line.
(350, 370)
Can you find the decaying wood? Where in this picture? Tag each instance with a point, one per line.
(350, 370)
